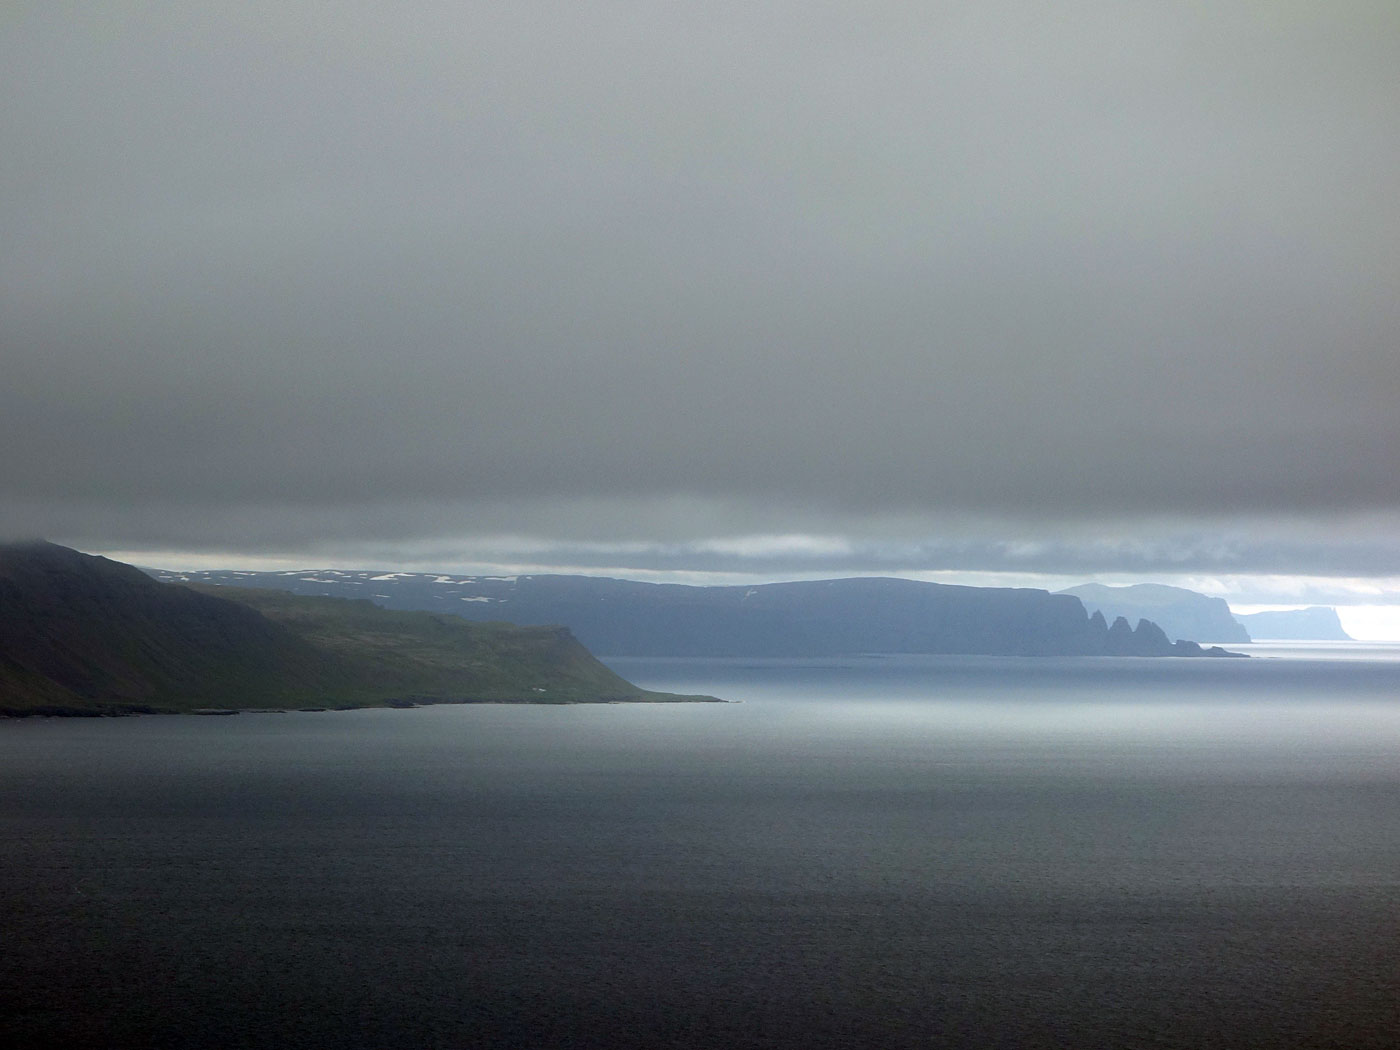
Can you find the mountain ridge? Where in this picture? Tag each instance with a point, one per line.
(797, 618)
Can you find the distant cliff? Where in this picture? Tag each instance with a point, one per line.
(85, 635)
(814, 618)
(1179, 612)
(1317, 624)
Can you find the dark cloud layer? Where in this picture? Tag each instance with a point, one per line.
(280, 274)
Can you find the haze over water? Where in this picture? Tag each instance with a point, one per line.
(879, 851)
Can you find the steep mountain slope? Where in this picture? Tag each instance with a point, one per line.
(82, 634)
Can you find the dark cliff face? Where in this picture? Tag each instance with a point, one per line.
(810, 618)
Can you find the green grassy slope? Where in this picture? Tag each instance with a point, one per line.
(429, 656)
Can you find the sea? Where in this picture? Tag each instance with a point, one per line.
(870, 851)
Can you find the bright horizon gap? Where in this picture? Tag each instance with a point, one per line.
(1364, 621)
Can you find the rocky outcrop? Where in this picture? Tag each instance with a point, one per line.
(1179, 612)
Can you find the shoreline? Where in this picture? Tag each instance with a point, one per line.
(398, 704)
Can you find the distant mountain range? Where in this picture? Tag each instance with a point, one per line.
(1318, 624)
(84, 635)
(818, 618)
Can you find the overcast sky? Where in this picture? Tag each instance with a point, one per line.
(777, 289)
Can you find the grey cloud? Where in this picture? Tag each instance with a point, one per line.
(278, 277)
(647, 538)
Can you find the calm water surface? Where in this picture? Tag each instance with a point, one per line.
(882, 852)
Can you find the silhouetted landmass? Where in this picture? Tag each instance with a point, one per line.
(1179, 612)
(1316, 624)
(816, 618)
(84, 635)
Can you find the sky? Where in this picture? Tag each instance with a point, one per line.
(1006, 292)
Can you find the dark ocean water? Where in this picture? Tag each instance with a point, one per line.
(878, 852)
